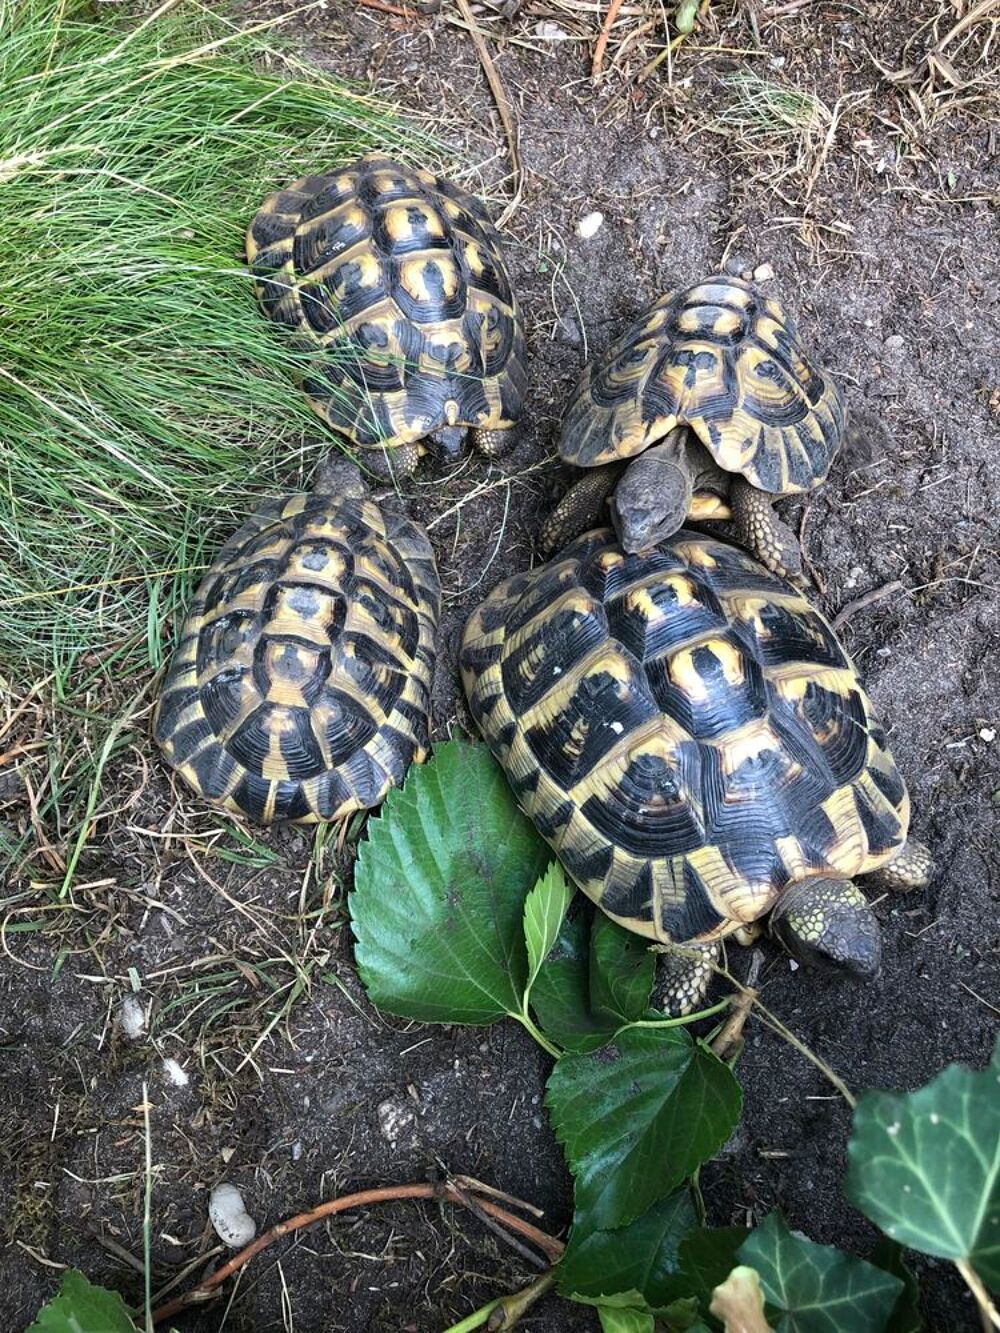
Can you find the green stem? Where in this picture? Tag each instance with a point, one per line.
(475, 1320)
(534, 1031)
(683, 1019)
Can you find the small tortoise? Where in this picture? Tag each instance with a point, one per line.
(692, 740)
(397, 278)
(300, 686)
(715, 378)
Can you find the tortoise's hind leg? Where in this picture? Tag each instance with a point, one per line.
(582, 507)
(494, 443)
(684, 975)
(757, 527)
(913, 868)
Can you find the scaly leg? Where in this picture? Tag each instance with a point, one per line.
(495, 443)
(685, 974)
(757, 527)
(390, 462)
(582, 507)
(913, 868)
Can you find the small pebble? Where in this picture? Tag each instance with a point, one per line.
(132, 1017)
(793, 964)
(987, 734)
(590, 225)
(175, 1074)
(296, 1151)
(894, 343)
(393, 1119)
(763, 273)
(739, 266)
(551, 32)
(226, 1211)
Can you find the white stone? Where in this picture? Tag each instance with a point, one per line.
(551, 32)
(987, 734)
(132, 1017)
(226, 1211)
(394, 1118)
(175, 1073)
(763, 273)
(589, 225)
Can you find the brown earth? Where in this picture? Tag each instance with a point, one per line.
(883, 243)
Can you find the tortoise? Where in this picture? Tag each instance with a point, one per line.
(692, 740)
(300, 686)
(712, 396)
(396, 278)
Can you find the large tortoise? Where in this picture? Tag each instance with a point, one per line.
(713, 399)
(693, 741)
(300, 686)
(396, 279)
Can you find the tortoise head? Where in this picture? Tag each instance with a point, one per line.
(652, 499)
(825, 921)
(336, 475)
(449, 442)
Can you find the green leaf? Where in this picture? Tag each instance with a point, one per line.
(817, 1288)
(640, 1257)
(906, 1316)
(560, 996)
(925, 1166)
(80, 1307)
(707, 1257)
(621, 971)
(637, 1117)
(545, 909)
(439, 893)
(624, 1321)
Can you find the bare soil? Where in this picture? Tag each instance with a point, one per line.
(883, 243)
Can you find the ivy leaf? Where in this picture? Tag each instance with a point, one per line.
(545, 909)
(906, 1316)
(621, 971)
(925, 1166)
(707, 1256)
(640, 1258)
(637, 1117)
(624, 1321)
(560, 996)
(817, 1289)
(438, 903)
(80, 1307)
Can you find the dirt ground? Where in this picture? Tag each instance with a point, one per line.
(883, 243)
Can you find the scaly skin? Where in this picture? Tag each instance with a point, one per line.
(757, 527)
(913, 868)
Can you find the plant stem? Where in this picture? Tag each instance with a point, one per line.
(147, 1214)
(683, 1019)
(475, 1320)
(988, 1312)
(533, 1030)
(513, 1308)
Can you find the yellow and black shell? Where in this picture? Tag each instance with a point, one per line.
(726, 362)
(300, 686)
(398, 278)
(684, 729)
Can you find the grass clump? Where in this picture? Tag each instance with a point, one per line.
(144, 402)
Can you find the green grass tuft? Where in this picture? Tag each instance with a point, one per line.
(145, 404)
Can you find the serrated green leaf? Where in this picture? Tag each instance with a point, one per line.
(560, 996)
(706, 1257)
(624, 1321)
(817, 1288)
(438, 903)
(637, 1117)
(80, 1307)
(906, 1316)
(639, 1258)
(622, 970)
(925, 1166)
(545, 909)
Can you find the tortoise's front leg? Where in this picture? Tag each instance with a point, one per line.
(913, 868)
(582, 507)
(495, 443)
(757, 527)
(685, 974)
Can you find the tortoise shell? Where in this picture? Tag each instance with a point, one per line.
(300, 686)
(726, 362)
(398, 279)
(684, 729)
